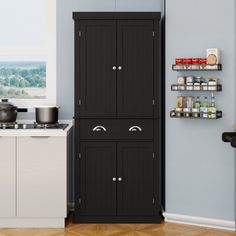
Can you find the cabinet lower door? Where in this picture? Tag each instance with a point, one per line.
(41, 177)
(7, 176)
(97, 186)
(135, 179)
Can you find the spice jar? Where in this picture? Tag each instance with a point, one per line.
(180, 101)
(189, 102)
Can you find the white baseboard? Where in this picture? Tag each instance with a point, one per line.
(32, 222)
(200, 221)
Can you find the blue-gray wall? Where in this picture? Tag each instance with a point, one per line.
(200, 168)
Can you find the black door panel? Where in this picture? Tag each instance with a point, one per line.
(135, 78)
(98, 167)
(97, 77)
(135, 190)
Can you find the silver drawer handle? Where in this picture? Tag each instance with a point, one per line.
(135, 129)
(99, 128)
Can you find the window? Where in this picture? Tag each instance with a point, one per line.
(28, 52)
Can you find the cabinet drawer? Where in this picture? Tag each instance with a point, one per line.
(116, 129)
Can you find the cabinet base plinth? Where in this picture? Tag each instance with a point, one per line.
(32, 222)
(117, 219)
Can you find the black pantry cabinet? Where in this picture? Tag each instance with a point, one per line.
(118, 117)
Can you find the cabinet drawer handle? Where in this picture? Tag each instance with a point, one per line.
(99, 128)
(135, 129)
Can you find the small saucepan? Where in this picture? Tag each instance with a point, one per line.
(46, 114)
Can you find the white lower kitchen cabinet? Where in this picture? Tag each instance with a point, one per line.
(41, 182)
(33, 178)
(7, 177)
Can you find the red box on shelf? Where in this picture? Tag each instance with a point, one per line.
(187, 61)
(203, 61)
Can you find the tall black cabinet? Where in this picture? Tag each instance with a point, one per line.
(118, 117)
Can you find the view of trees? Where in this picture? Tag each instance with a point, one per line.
(23, 79)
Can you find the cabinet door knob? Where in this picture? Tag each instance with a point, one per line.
(114, 179)
(114, 68)
(119, 67)
(135, 129)
(119, 179)
(99, 128)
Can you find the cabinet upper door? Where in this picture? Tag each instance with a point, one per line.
(135, 56)
(135, 179)
(8, 177)
(97, 183)
(97, 57)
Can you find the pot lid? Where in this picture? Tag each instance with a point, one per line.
(5, 105)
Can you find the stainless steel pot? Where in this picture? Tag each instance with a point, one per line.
(8, 112)
(46, 114)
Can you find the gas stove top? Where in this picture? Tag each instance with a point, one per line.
(16, 125)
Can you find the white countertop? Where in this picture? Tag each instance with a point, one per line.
(37, 132)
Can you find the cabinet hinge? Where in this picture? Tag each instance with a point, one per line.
(153, 201)
(80, 33)
(153, 102)
(153, 33)
(79, 102)
(79, 201)
(79, 155)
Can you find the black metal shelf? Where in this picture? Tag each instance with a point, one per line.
(177, 114)
(202, 88)
(217, 67)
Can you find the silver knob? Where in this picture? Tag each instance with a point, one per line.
(114, 68)
(119, 179)
(114, 179)
(119, 67)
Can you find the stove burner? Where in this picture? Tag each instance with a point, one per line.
(15, 125)
(46, 126)
(7, 125)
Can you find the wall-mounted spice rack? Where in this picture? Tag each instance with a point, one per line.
(198, 88)
(203, 67)
(196, 115)
(196, 84)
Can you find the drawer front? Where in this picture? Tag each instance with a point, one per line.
(135, 129)
(116, 129)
